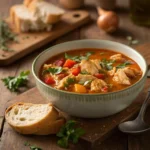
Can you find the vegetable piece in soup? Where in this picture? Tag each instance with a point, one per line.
(90, 71)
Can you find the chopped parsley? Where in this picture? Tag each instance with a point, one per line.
(14, 83)
(53, 70)
(32, 147)
(5, 35)
(85, 82)
(79, 58)
(69, 133)
(107, 64)
(69, 82)
(84, 72)
(120, 66)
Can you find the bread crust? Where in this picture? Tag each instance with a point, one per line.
(15, 19)
(51, 127)
(35, 127)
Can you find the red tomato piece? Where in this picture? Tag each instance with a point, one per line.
(49, 80)
(99, 75)
(60, 62)
(69, 63)
(105, 89)
(75, 71)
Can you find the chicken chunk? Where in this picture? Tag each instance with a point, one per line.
(121, 78)
(112, 72)
(97, 63)
(117, 57)
(83, 78)
(89, 66)
(61, 84)
(97, 85)
(132, 72)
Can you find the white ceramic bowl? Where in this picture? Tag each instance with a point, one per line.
(90, 105)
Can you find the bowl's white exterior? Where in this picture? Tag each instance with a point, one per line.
(90, 105)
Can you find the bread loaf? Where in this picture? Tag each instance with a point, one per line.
(48, 12)
(25, 21)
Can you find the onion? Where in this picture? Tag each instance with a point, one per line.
(108, 20)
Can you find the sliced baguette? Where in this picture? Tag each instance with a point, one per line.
(51, 127)
(25, 21)
(48, 12)
(27, 118)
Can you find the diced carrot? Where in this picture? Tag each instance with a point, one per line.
(75, 71)
(80, 88)
(69, 63)
(49, 80)
(99, 75)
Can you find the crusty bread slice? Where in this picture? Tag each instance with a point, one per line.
(25, 21)
(51, 127)
(48, 12)
(27, 118)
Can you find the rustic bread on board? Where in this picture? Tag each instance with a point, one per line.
(38, 119)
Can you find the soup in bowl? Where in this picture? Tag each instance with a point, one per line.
(90, 78)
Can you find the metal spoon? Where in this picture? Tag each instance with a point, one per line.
(138, 125)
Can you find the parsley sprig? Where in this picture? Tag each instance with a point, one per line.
(107, 64)
(14, 83)
(69, 81)
(32, 147)
(53, 70)
(5, 35)
(79, 58)
(69, 133)
(121, 66)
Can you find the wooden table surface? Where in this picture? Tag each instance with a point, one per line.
(118, 141)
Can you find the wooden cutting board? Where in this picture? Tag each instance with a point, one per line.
(28, 42)
(97, 130)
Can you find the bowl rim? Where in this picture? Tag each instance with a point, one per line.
(87, 94)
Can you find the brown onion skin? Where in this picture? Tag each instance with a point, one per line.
(108, 21)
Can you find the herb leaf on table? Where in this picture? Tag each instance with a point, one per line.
(14, 83)
(5, 35)
(69, 133)
(32, 147)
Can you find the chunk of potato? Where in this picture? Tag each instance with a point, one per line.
(80, 88)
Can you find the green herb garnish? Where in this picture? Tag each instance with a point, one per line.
(107, 64)
(79, 58)
(32, 147)
(53, 70)
(14, 83)
(120, 66)
(84, 72)
(5, 35)
(85, 82)
(69, 81)
(69, 133)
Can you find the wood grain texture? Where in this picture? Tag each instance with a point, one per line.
(96, 130)
(118, 141)
(29, 42)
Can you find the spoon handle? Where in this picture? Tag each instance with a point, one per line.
(144, 106)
